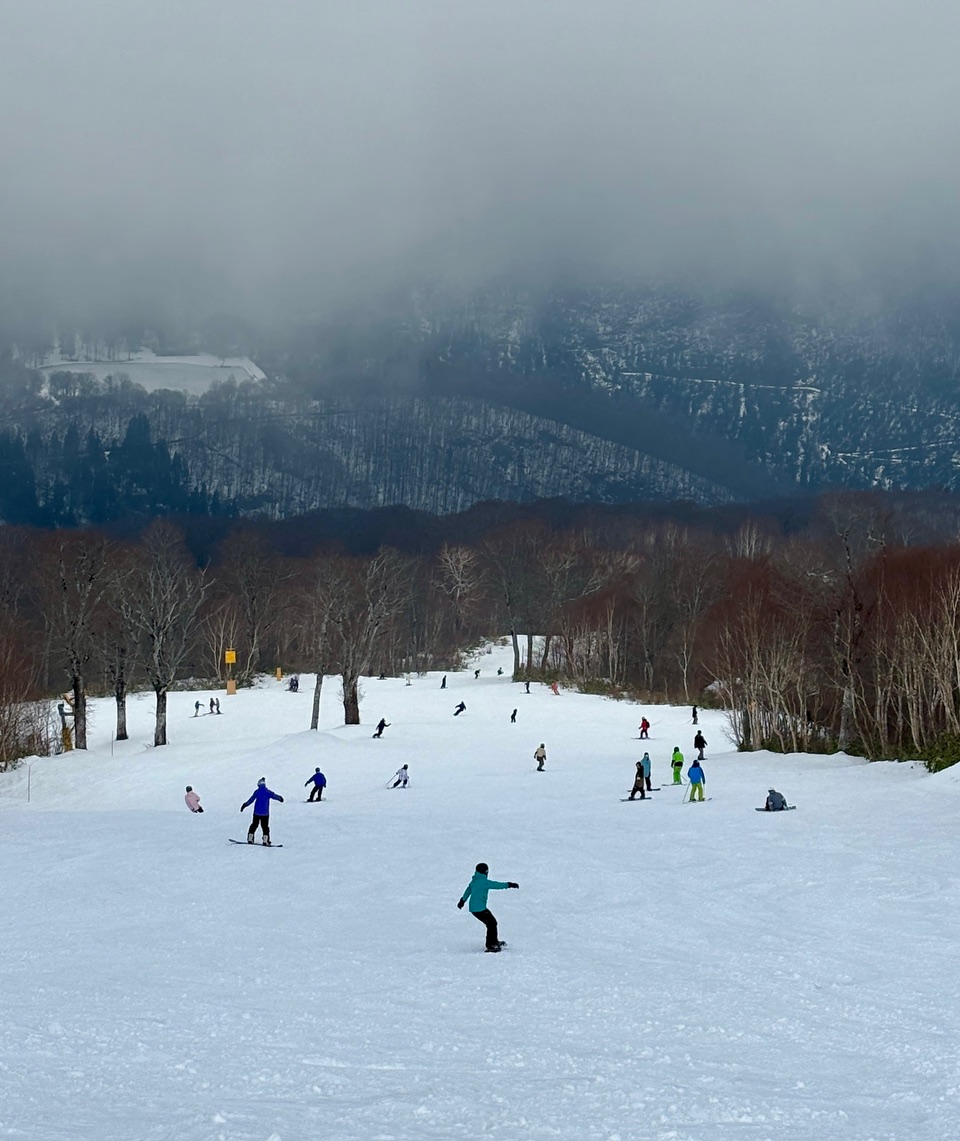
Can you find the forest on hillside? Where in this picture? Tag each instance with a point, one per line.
(840, 630)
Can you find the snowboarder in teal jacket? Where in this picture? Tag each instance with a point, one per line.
(476, 892)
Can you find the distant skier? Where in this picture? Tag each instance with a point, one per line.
(476, 892)
(461, 708)
(260, 799)
(697, 780)
(402, 776)
(381, 725)
(196, 709)
(645, 765)
(476, 674)
(319, 782)
(700, 743)
(676, 763)
(540, 756)
(499, 671)
(213, 705)
(526, 686)
(216, 702)
(555, 689)
(191, 800)
(513, 718)
(776, 801)
(644, 729)
(638, 784)
(694, 715)
(443, 682)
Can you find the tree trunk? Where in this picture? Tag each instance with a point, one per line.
(848, 727)
(160, 730)
(351, 700)
(315, 712)
(79, 714)
(516, 654)
(121, 696)
(546, 655)
(529, 669)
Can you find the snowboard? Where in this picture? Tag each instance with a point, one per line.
(315, 801)
(255, 844)
(624, 799)
(789, 808)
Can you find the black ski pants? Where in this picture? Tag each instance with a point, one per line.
(316, 793)
(264, 822)
(489, 920)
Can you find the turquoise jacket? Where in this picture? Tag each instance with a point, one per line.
(477, 890)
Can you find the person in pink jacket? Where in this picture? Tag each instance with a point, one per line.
(191, 800)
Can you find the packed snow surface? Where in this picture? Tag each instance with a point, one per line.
(675, 971)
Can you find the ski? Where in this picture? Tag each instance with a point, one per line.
(789, 808)
(704, 801)
(255, 844)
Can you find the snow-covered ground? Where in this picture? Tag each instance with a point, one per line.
(675, 971)
(194, 374)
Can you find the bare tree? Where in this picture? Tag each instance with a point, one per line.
(255, 577)
(373, 594)
(75, 577)
(161, 603)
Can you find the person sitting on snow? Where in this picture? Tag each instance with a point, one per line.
(192, 800)
(776, 801)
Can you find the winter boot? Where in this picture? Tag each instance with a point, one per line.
(249, 837)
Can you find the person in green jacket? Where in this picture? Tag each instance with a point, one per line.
(476, 893)
(676, 763)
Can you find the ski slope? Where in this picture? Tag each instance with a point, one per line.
(678, 972)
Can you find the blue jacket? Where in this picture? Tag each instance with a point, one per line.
(261, 800)
(318, 779)
(696, 774)
(645, 761)
(477, 890)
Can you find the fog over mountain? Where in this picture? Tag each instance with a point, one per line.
(276, 158)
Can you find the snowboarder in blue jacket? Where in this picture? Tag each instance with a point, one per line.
(476, 893)
(319, 782)
(260, 799)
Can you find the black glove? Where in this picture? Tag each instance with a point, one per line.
(513, 885)
(460, 905)
(241, 808)
(280, 798)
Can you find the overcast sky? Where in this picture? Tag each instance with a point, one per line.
(246, 145)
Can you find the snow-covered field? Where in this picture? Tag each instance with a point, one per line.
(193, 374)
(675, 971)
